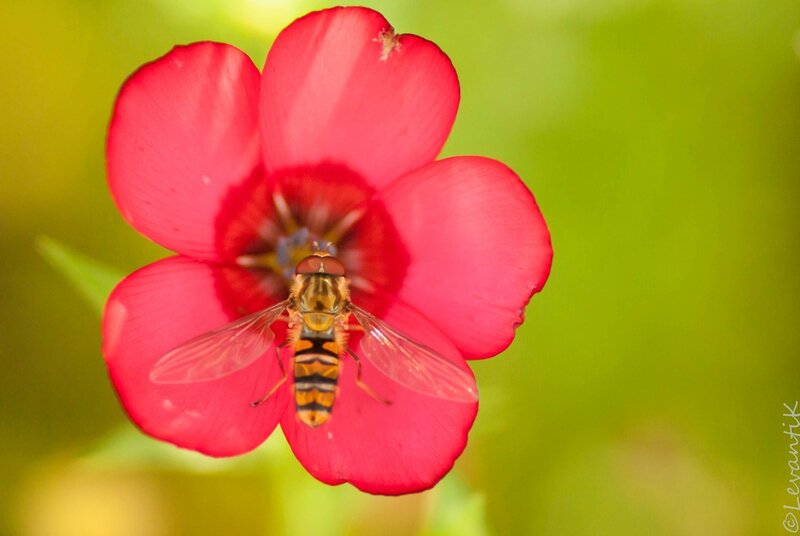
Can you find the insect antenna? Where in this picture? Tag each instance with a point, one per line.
(324, 246)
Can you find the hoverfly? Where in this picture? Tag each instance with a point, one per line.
(318, 310)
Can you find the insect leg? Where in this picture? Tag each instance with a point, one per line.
(367, 389)
(280, 382)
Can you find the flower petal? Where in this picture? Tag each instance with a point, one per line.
(394, 449)
(338, 85)
(479, 249)
(154, 310)
(183, 133)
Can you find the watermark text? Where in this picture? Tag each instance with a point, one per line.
(791, 427)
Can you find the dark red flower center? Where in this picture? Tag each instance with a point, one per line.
(270, 223)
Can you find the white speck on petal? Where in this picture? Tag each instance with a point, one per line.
(168, 405)
(389, 42)
(330, 435)
(206, 179)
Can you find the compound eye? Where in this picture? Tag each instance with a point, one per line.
(332, 266)
(316, 264)
(309, 265)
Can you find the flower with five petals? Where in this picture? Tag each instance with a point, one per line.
(239, 171)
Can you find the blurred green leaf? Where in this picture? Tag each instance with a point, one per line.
(92, 279)
(457, 510)
(128, 447)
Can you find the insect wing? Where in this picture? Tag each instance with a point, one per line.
(219, 352)
(411, 364)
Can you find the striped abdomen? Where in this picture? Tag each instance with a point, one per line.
(316, 370)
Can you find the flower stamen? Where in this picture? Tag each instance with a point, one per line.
(284, 212)
(343, 225)
(289, 250)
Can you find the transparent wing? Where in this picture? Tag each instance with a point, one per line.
(219, 352)
(412, 364)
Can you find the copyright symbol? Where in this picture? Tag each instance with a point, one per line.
(790, 523)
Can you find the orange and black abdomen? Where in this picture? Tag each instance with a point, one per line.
(316, 371)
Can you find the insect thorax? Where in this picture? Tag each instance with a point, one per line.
(319, 301)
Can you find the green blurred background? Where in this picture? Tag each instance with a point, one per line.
(643, 394)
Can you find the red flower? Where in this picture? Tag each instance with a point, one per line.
(237, 171)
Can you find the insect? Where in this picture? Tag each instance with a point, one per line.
(318, 311)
